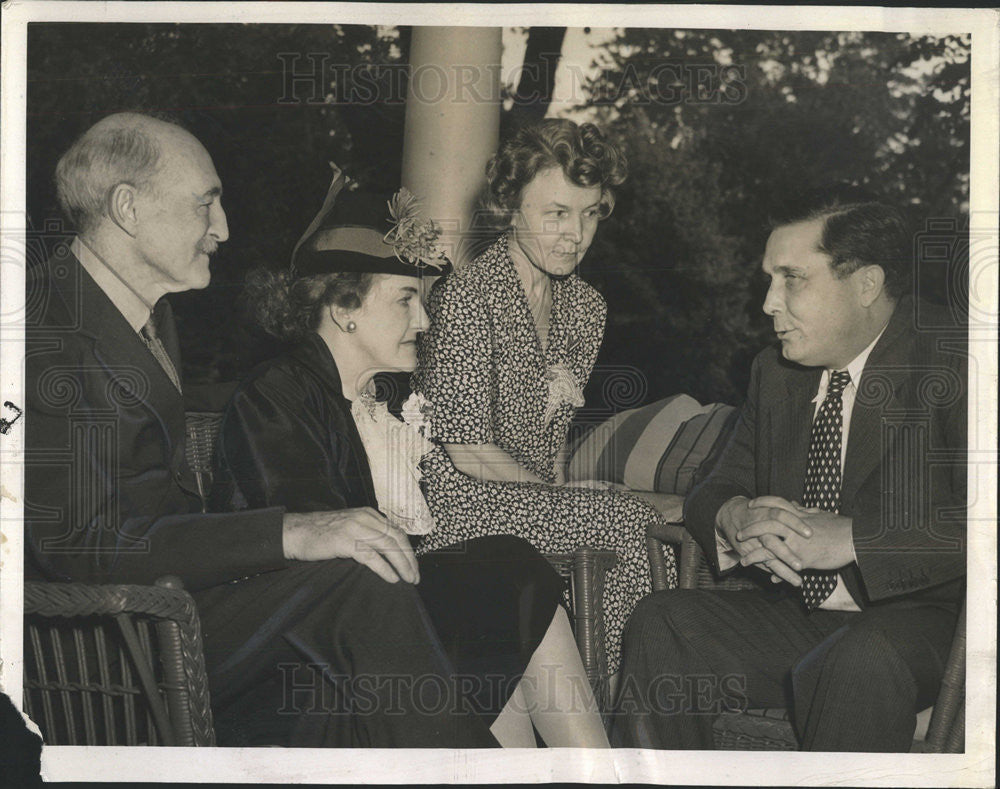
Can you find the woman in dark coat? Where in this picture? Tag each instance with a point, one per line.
(306, 432)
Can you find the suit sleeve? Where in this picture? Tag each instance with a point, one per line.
(734, 474)
(97, 485)
(277, 449)
(909, 516)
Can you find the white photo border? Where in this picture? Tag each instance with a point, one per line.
(976, 767)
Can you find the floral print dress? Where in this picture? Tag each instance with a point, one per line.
(487, 380)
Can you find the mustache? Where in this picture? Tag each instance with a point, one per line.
(208, 247)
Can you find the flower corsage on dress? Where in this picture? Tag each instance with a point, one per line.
(562, 388)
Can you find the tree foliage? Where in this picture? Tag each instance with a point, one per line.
(270, 137)
(718, 125)
(722, 125)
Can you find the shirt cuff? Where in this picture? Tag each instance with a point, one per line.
(729, 557)
(840, 599)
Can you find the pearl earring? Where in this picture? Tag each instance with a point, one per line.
(351, 326)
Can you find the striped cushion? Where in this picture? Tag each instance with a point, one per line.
(660, 447)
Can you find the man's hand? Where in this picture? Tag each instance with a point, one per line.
(361, 533)
(768, 552)
(830, 546)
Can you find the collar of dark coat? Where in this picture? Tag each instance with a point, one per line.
(884, 377)
(65, 302)
(315, 356)
(316, 360)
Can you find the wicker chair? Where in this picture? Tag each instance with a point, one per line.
(115, 665)
(771, 729)
(585, 568)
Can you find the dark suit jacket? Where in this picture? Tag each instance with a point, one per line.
(109, 496)
(904, 480)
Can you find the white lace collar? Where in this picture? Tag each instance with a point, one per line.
(394, 452)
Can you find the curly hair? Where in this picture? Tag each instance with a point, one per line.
(585, 156)
(290, 307)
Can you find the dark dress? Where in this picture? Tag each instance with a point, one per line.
(483, 371)
(288, 439)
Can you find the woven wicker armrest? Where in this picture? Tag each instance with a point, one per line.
(74, 599)
(670, 533)
(946, 733)
(177, 703)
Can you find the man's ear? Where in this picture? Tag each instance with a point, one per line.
(122, 207)
(871, 283)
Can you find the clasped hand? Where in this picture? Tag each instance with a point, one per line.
(359, 533)
(784, 537)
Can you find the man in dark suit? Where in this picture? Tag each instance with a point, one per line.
(844, 481)
(291, 605)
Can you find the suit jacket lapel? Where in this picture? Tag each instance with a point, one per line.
(864, 442)
(792, 417)
(139, 380)
(167, 327)
(882, 380)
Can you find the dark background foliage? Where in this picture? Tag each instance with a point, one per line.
(721, 126)
(712, 149)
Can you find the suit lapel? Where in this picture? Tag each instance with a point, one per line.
(882, 382)
(167, 328)
(792, 418)
(136, 378)
(864, 442)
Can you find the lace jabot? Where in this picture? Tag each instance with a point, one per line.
(394, 451)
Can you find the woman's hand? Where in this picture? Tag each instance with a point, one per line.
(489, 463)
(360, 533)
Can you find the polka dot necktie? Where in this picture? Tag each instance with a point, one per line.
(823, 478)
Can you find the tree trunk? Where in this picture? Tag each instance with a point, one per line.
(533, 94)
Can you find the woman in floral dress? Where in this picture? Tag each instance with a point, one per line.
(305, 432)
(513, 339)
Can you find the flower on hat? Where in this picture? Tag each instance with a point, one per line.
(414, 240)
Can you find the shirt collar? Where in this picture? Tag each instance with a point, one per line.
(854, 368)
(132, 308)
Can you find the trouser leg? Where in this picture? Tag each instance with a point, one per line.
(861, 688)
(693, 654)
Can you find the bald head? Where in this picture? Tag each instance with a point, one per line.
(124, 148)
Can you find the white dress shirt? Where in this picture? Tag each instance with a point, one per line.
(840, 599)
